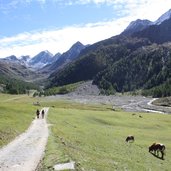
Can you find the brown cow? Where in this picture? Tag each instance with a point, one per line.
(156, 147)
(130, 138)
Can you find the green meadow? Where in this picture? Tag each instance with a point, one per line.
(91, 135)
(94, 137)
(16, 114)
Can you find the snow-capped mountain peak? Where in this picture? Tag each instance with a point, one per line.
(11, 58)
(164, 17)
(41, 59)
(24, 58)
(136, 26)
(138, 22)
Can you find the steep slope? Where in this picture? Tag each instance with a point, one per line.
(157, 33)
(16, 70)
(136, 26)
(41, 59)
(125, 62)
(11, 58)
(96, 58)
(139, 58)
(164, 17)
(140, 25)
(144, 68)
(126, 66)
(24, 60)
(14, 78)
(64, 59)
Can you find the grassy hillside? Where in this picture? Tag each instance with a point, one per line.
(96, 58)
(61, 89)
(17, 71)
(16, 114)
(94, 137)
(15, 86)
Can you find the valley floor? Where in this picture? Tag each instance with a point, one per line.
(87, 93)
(27, 150)
(127, 103)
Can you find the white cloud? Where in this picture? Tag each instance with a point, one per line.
(60, 40)
(150, 9)
(57, 40)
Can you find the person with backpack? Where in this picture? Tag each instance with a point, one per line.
(43, 114)
(37, 113)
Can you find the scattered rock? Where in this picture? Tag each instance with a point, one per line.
(64, 166)
(86, 88)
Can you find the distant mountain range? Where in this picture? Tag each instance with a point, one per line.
(38, 68)
(41, 59)
(38, 61)
(62, 60)
(15, 69)
(45, 58)
(138, 58)
(136, 26)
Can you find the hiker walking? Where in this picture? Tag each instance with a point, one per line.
(43, 114)
(37, 113)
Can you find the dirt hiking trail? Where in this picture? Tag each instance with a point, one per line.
(26, 151)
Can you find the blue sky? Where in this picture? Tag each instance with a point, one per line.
(31, 26)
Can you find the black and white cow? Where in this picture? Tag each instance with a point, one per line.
(157, 147)
(130, 138)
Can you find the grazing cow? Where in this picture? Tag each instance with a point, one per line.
(130, 138)
(156, 147)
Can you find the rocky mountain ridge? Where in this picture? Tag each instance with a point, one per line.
(38, 67)
(139, 25)
(64, 59)
(45, 58)
(125, 62)
(137, 59)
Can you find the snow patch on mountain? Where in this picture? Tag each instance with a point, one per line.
(43, 57)
(164, 17)
(138, 23)
(136, 26)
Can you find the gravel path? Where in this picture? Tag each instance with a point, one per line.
(26, 151)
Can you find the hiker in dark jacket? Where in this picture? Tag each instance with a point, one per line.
(37, 113)
(43, 114)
